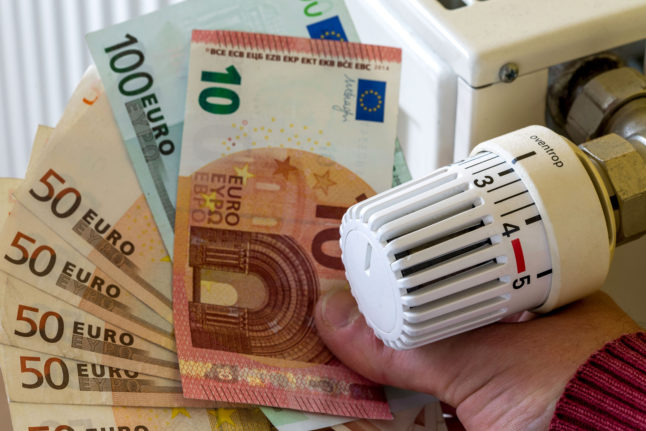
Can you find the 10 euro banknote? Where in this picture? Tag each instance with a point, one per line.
(281, 135)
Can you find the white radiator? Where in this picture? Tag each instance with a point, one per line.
(42, 56)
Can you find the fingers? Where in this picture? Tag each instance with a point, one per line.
(346, 334)
(344, 331)
(498, 357)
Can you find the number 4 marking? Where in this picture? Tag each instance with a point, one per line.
(509, 229)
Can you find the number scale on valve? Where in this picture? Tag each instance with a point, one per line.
(514, 206)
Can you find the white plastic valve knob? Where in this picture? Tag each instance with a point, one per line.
(525, 223)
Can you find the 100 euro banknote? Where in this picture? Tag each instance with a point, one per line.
(281, 135)
(143, 63)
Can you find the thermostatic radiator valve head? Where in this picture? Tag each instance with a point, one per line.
(525, 223)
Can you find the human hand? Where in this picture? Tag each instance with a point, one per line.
(505, 376)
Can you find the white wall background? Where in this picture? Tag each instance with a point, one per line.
(42, 56)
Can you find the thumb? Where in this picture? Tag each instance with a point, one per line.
(344, 331)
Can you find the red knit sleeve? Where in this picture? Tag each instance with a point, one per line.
(608, 392)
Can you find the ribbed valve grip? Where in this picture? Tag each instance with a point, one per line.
(475, 241)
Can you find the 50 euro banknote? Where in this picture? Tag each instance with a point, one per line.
(60, 417)
(37, 377)
(7, 188)
(33, 319)
(33, 253)
(85, 190)
(143, 63)
(84, 95)
(26, 243)
(281, 135)
(43, 133)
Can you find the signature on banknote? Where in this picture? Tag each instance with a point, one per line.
(348, 97)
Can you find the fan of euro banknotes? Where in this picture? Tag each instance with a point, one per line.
(160, 262)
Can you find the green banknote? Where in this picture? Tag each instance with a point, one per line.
(143, 65)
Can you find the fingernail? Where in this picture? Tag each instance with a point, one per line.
(338, 308)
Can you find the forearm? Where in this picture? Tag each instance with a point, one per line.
(608, 392)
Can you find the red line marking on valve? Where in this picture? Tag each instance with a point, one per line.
(518, 254)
